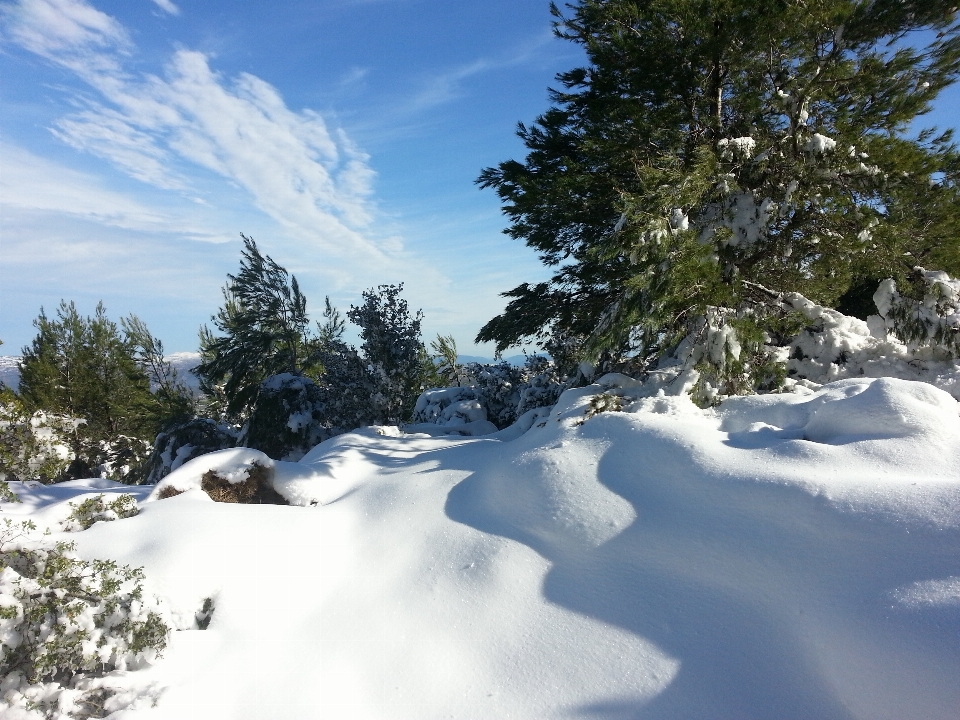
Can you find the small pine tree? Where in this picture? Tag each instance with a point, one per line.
(392, 349)
(446, 367)
(172, 401)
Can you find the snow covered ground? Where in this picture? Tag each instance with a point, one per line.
(781, 556)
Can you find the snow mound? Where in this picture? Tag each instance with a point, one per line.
(849, 411)
(626, 554)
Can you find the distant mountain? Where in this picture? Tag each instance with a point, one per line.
(182, 362)
(517, 360)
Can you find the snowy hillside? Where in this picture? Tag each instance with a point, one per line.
(9, 370)
(781, 556)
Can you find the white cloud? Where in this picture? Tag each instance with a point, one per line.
(312, 181)
(70, 33)
(167, 7)
(110, 135)
(36, 185)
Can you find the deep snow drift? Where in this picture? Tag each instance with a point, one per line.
(781, 556)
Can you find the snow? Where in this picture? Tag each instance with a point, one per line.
(741, 147)
(819, 144)
(836, 346)
(780, 556)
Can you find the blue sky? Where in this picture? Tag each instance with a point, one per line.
(139, 138)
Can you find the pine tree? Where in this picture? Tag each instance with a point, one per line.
(84, 369)
(393, 350)
(264, 328)
(172, 403)
(717, 154)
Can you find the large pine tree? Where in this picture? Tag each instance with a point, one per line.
(716, 154)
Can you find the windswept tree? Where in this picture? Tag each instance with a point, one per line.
(264, 331)
(714, 155)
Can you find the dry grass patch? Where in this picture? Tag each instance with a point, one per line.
(256, 489)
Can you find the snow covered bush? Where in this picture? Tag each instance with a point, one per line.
(121, 458)
(181, 443)
(498, 392)
(33, 445)
(348, 388)
(64, 621)
(735, 353)
(542, 384)
(288, 418)
(933, 321)
(497, 388)
(94, 510)
(812, 345)
(444, 406)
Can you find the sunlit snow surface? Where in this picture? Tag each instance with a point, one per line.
(784, 556)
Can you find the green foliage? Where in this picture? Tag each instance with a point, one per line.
(172, 402)
(333, 326)
(87, 385)
(6, 494)
(94, 510)
(264, 328)
(444, 361)
(288, 419)
(32, 444)
(926, 313)
(716, 154)
(604, 402)
(64, 619)
(265, 334)
(393, 349)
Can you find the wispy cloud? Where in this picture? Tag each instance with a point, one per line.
(167, 7)
(68, 32)
(33, 184)
(310, 179)
(448, 84)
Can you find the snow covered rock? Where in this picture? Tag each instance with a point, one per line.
(493, 396)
